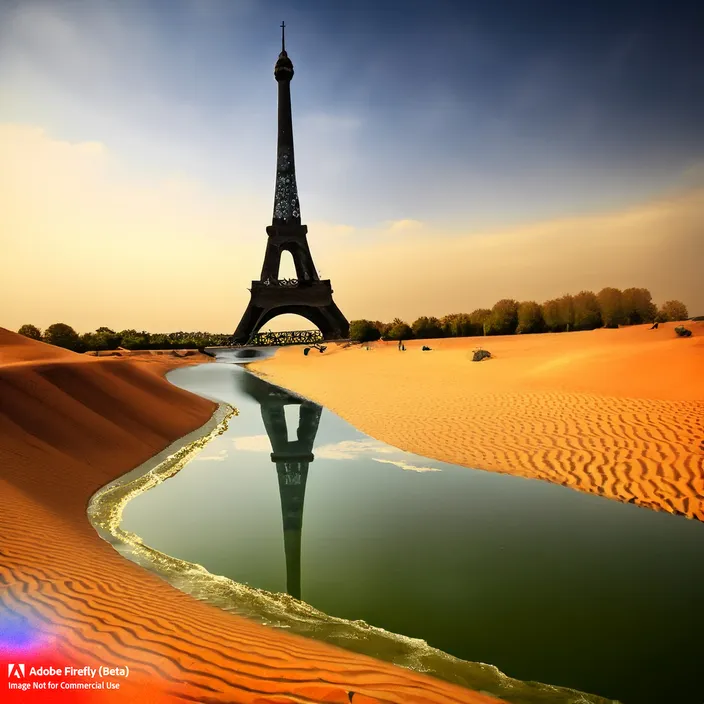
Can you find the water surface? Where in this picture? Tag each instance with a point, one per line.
(545, 583)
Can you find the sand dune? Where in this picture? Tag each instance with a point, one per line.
(68, 425)
(618, 413)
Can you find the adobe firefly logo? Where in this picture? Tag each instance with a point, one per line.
(15, 670)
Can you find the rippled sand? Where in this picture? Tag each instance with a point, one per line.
(69, 424)
(618, 413)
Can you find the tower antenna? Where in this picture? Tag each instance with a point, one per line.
(283, 36)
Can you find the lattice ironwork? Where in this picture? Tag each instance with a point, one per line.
(284, 283)
(286, 206)
(290, 337)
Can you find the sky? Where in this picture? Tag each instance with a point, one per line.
(448, 154)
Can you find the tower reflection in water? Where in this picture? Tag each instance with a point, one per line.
(292, 459)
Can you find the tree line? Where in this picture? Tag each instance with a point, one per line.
(586, 310)
(102, 339)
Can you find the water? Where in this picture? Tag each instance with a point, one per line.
(545, 583)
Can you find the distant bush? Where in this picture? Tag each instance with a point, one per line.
(671, 311)
(364, 331)
(62, 335)
(30, 331)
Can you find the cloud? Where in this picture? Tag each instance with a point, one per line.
(350, 449)
(92, 241)
(219, 457)
(407, 466)
(252, 443)
(657, 244)
(403, 225)
(343, 450)
(330, 228)
(99, 237)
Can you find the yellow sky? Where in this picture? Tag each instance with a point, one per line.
(88, 242)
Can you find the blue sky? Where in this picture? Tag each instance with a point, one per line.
(465, 115)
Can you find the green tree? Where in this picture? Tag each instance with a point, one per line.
(364, 331)
(383, 328)
(425, 328)
(550, 310)
(459, 325)
(611, 307)
(30, 331)
(672, 310)
(109, 339)
(399, 330)
(479, 319)
(530, 318)
(90, 342)
(587, 314)
(133, 340)
(62, 335)
(504, 318)
(565, 306)
(162, 342)
(638, 306)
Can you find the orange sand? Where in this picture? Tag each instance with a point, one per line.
(68, 425)
(613, 412)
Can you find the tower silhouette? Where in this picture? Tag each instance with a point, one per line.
(292, 458)
(306, 295)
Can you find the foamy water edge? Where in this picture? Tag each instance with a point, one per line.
(105, 510)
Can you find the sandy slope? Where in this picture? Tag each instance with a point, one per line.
(613, 412)
(68, 425)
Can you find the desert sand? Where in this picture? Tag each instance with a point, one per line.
(618, 413)
(68, 425)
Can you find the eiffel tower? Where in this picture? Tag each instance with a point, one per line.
(306, 295)
(292, 459)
